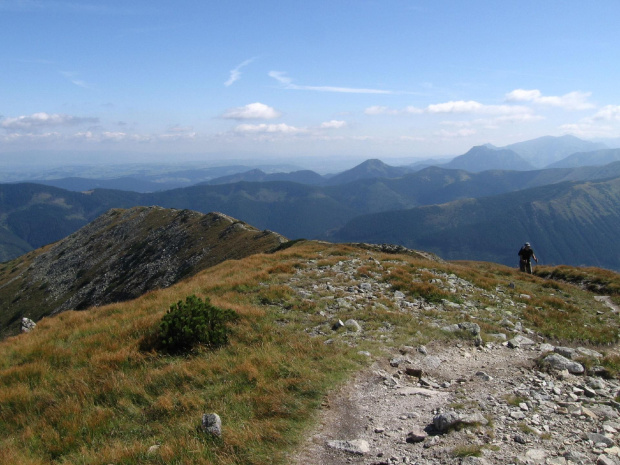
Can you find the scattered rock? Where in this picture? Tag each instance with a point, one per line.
(354, 446)
(520, 341)
(416, 435)
(558, 362)
(444, 421)
(353, 325)
(212, 424)
(27, 325)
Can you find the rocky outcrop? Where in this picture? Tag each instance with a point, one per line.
(122, 255)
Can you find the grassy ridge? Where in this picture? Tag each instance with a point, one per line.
(78, 390)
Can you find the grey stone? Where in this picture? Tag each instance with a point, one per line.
(546, 347)
(567, 352)
(520, 341)
(606, 460)
(353, 325)
(597, 438)
(27, 325)
(212, 424)
(585, 352)
(474, 419)
(444, 421)
(472, 328)
(558, 362)
(576, 457)
(354, 446)
(536, 455)
(416, 435)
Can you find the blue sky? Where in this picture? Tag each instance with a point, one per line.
(382, 79)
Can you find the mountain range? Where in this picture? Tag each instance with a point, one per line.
(304, 204)
(573, 223)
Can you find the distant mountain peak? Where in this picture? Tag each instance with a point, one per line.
(483, 158)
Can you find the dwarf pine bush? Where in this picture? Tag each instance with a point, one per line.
(192, 323)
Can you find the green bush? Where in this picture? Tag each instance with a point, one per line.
(194, 323)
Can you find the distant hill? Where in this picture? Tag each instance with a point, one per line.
(596, 158)
(369, 169)
(120, 256)
(34, 215)
(132, 177)
(303, 177)
(123, 184)
(545, 150)
(485, 157)
(570, 223)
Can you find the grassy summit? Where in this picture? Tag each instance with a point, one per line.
(79, 390)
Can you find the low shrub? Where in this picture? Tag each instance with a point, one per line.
(193, 323)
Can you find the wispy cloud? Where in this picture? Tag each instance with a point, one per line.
(452, 107)
(72, 77)
(287, 83)
(235, 73)
(44, 120)
(571, 101)
(255, 110)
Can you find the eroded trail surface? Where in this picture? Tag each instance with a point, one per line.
(502, 409)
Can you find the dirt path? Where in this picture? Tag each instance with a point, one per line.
(531, 415)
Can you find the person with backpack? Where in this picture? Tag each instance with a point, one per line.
(525, 258)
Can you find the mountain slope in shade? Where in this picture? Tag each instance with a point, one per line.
(545, 150)
(120, 256)
(569, 223)
(484, 158)
(596, 158)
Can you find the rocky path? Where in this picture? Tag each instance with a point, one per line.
(452, 402)
(504, 411)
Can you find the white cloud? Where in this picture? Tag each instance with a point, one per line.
(333, 124)
(382, 110)
(474, 107)
(571, 101)
(18, 136)
(608, 113)
(589, 130)
(287, 82)
(268, 128)
(235, 73)
(255, 110)
(453, 134)
(42, 120)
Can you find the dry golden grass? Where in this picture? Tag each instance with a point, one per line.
(78, 389)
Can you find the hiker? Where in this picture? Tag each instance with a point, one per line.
(525, 258)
